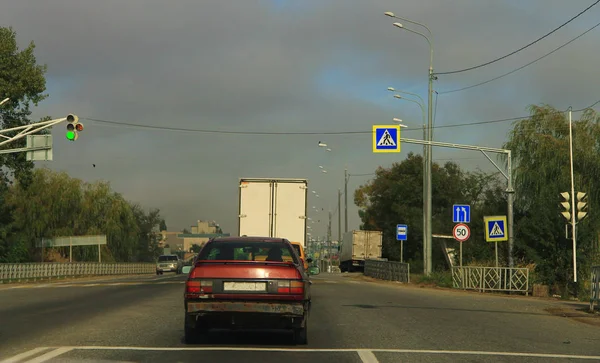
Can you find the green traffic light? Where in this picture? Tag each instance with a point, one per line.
(71, 135)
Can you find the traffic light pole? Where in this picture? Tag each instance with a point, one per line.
(573, 200)
(24, 131)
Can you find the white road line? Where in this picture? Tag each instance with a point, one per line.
(27, 354)
(405, 351)
(51, 354)
(367, 356)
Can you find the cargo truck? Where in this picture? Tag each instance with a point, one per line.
(357, 246)
(273, 207)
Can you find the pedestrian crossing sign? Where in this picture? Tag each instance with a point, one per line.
(386, 138)
(495, 228)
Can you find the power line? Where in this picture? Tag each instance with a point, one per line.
(365, 174)
(522, 48)
(526, 65)
(291, 133)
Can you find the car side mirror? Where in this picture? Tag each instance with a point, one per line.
(309, 260)
(186, 269)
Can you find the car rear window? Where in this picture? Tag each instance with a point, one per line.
(247, 251)
(167, 258)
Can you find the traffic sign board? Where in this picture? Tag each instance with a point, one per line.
(401, 232)
(461, 213)
(461, 232)
(495, 228)
(386, 138)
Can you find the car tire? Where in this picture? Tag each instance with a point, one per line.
(301, 335)
(191, 336)
(194, 332)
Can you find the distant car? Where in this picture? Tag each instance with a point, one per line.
(169, 263)
(300, 251)
(245, 282)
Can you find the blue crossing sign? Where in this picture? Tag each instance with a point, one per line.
(495, 228)
(386, 138)
(461, 213)
(401, 232)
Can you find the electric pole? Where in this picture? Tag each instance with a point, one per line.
(345, 200)
(339, 215)
(329, 243)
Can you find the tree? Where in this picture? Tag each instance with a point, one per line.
(195, 248)
(22, 81)
(540, 146)
(163, 225)
(56, 205)
(185, 231)
(394, 196)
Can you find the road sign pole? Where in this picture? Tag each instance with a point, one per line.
(401, 251)
(496, 243)
(460, 263)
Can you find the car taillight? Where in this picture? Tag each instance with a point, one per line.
(290, 287)
(198, 287)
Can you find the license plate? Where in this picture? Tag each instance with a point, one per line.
(245, 286)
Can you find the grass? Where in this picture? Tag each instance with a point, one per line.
(437, 278)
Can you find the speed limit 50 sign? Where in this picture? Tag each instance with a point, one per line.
(461, 232)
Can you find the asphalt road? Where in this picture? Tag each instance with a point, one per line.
(140, 319)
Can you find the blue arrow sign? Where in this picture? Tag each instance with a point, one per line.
(461, 213)
(401, 232)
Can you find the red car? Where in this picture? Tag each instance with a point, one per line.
(247, 282)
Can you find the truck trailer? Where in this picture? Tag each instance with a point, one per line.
(273, 207)
(358, 246)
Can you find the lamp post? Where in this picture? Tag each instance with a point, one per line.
(425, 191)
(428, 242)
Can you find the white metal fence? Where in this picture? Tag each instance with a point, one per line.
(595, 286)
(38, 271)
(388, 270)
(491, 278)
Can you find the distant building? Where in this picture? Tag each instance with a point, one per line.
(172, 240)
(201, 233)
(206, 227)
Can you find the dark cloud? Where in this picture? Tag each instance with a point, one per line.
(269, 66)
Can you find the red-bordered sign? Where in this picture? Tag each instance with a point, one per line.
(461, 232)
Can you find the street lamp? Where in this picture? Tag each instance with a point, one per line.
(425, 191)
(399, 121)
(4, 101)
(429, 134)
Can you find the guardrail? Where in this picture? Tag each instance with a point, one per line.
(48, 270)
(388, 270)
(491, 278)
(595, 285)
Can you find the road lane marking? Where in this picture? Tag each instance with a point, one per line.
(333, 350)
(367, 356)
(27, 354)
(52, 354)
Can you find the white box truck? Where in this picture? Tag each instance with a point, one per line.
(357, 246)
(273, 207)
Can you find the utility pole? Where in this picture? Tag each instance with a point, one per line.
(329, 243)
(339, 216)
(346, 177)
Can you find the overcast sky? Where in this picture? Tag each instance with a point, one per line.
(283, 65)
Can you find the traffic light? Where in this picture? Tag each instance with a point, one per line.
(581, 205)
(566, 205)
(73, 127)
